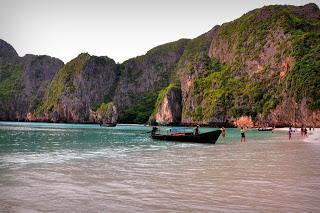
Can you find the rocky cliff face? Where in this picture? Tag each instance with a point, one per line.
(168, 106)
(192, 66)
(143, 77)
(107, 113)
(79, 88)
(264, 65)
(23, 81)
(266, 50)
(7, 53)
(252, 66)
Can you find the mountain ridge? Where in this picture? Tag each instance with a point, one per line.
(256, 65)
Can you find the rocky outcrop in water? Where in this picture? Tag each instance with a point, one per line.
(168, 106)
(106, 114)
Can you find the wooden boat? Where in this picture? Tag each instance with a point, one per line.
(208, 137)
(265, 129)
(108, 124)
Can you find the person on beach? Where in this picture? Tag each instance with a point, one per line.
(154, 130)
(290, 132)
(223, 132)
(196, 130)
(243, 136)
(302, 131)
(305, 132)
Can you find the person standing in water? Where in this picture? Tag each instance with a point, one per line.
(302, 131)
(223, 132)
(290, 133)
(196, 130)
(154, 130)
(243, 136)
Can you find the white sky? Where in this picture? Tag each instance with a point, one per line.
(119, 29)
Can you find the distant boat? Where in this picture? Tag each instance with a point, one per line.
(265, 129)
(108, 124)
(208, 137)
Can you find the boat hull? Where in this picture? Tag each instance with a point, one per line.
(265, 129)
(209, 137)
(108, 125)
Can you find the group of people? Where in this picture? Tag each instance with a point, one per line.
(303, 131)
(291, 131)
(242, 133)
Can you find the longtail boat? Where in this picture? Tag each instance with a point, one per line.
(266, 129)
(208, 137)
(108, 124)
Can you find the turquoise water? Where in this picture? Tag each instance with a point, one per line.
(48, 142)
(48, 137)
(86, 168)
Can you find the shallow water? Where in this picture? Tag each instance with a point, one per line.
(85, 168)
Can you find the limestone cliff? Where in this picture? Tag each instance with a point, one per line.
(143, 77)
(254, 66)
(107, 113)
(264, 64)
(7, 53)
(168, 106)
(23, 81)
(79, 88)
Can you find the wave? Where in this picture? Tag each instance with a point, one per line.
(313, 137)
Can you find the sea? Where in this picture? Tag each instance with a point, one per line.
(46, 167)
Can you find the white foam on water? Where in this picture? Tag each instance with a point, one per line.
(313, 136)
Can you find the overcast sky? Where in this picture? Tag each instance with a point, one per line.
(120, 29)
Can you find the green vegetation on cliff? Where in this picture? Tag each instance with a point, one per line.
(249, 33)
(194, 52)
(157, 68)
(63, 81)
(220, 91)
(9, 80)
(168, 47)
(104, 107)
(107, 112)
(211, 90)
(253, 30)
(304, 78)
(267, 37)
(194, 61)
(140, 110)
(161, 96)
(258, 62)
